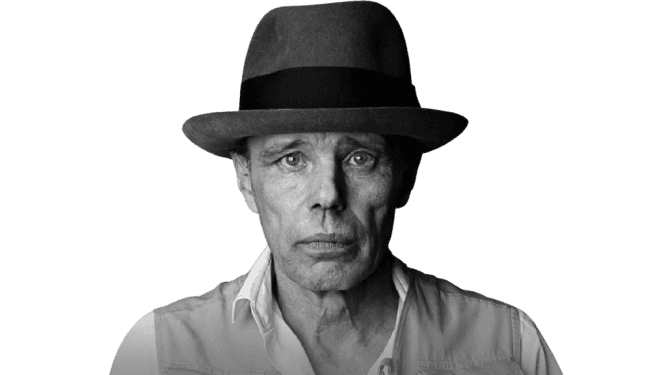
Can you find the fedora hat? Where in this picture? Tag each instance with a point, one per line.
(340, 67)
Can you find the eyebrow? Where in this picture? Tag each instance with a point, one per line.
(272, 151)
(368, 142)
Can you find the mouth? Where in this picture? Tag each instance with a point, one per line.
(327, 244)
(332, 238)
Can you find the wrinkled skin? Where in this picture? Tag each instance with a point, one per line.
(326, 203)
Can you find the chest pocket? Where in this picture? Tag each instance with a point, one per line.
(493, 368)
(188, 368)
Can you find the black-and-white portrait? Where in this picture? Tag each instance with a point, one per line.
(326, 146)
(333, 188)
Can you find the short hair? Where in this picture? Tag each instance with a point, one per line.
(404, 149)
(242, 148)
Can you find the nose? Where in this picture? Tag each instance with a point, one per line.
(328, 188)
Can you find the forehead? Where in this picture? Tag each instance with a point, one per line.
(318, 140)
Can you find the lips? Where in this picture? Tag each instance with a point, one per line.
(332, 239)
(329, 246)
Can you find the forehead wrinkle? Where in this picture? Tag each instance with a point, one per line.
(342, 139)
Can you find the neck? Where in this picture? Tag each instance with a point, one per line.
(359, 314)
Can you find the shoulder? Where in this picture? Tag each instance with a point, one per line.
(437, 289)
(137, 353)
(536, 356)
(198, 319)
(222, 295)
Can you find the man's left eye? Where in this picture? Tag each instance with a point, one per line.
(361, 159)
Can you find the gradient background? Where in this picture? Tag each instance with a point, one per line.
(552, 200)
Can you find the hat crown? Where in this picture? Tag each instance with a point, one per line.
(358, 34)
(339, 67)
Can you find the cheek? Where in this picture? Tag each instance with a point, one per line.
(373, 200)
(277, 201)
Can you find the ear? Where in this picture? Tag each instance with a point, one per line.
(407, 181)
(242, 166)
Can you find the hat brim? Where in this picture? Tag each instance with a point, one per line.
(220, 132)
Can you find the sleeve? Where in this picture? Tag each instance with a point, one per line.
(138, 352)
(536, 357)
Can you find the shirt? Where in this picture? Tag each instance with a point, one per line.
(138, 353)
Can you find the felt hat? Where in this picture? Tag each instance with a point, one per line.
(340, 67)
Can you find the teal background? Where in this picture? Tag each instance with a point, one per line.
(552, 200)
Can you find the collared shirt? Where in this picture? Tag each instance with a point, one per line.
(138, 352)
(284, 348)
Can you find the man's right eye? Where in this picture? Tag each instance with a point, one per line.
(293, 161)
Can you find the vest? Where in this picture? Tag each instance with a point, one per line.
(444, 330)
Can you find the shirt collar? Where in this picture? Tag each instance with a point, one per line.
(257, 288)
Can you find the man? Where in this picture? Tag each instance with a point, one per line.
(326, 146)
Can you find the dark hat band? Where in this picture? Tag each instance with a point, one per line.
(326, 87)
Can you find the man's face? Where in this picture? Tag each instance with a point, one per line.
(326, 202)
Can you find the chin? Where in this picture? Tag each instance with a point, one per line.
(333, 277)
